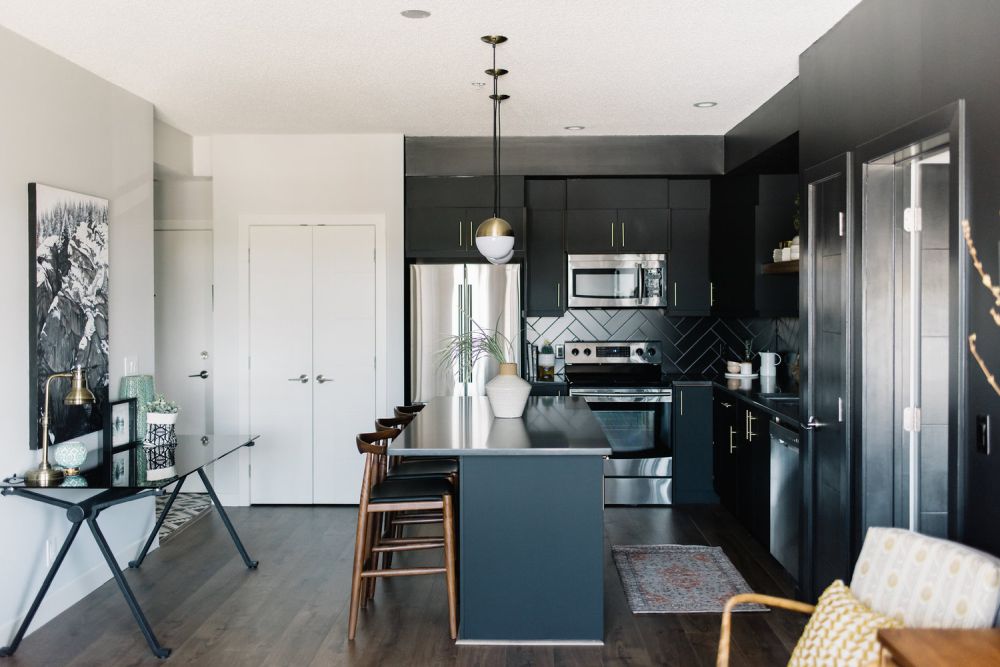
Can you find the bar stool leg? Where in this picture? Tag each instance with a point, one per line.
(369, 559)
(449, 564)
(360, 543)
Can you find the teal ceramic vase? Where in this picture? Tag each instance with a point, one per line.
(142, 388)
(70, 456)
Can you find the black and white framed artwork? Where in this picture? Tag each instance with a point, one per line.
(123, 466)
(120, 422)
(68, 302)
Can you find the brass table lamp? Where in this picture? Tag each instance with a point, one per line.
(46, 474)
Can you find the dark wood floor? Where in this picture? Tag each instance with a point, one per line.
(210, 610)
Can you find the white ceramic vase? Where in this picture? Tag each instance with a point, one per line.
(159, 445)
(508, 393)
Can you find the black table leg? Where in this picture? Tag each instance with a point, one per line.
(133, 604)
(159, 522)
(9, 649)
(252, 564)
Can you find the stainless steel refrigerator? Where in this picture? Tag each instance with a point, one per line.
(450, 299)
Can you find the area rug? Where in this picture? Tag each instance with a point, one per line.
(187, 508)
(679, 579)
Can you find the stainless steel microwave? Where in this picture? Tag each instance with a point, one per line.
(617, 281)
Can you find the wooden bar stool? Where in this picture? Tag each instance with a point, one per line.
(409, 409)
(380, 495)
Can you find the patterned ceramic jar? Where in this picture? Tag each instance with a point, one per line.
(159, 445)
(70, 456)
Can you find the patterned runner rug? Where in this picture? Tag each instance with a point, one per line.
(187, 508)
(679, 579)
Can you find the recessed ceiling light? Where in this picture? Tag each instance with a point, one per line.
(574, 127)
(415, 13)
(705, 105)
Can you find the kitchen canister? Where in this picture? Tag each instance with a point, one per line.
(160, 445)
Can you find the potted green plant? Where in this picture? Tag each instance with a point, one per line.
(160, 440)
(507, 392)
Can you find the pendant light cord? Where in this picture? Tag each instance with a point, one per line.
(496, 137)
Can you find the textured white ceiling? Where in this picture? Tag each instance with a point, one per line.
(287, 66)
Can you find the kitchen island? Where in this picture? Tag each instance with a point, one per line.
(530, 513)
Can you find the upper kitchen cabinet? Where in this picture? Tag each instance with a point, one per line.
(545, 259)
(689, 289)
(442, 213)
(751, 214)
(617, 215)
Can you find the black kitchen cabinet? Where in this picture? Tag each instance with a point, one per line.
(775, 294)
(618, 230)
(616, 193)
(692, 443)
(754, 461)
(545, 264)
(443, 213)
(687, 267)
(727, 443)
(450, 231)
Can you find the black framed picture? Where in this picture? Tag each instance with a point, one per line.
(121, 422)
(68, 302)
(123, 470)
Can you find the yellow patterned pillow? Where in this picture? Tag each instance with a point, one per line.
(841, 632)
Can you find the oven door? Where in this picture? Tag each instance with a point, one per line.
(637, 425)
(617, 281)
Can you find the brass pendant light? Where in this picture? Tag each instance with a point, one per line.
(495, 236)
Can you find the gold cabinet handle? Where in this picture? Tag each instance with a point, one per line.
(470, 233)
(612, 233)
(750, 433)
(711, 294)
(558, 295)
(623, 234)
(681, 394)
(459, 233)
(675, 293)
(732, 432)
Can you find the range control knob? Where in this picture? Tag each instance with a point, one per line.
(574, 351)
(586, 352)
(638, 351)
(651, 351)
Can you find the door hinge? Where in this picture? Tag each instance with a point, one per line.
(840, 222)
(913, 219)
(911, 419)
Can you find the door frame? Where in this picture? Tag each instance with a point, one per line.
(822, 172)
(245, 222)
(949, 119)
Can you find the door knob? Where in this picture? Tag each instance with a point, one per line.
(302, 378)
(812, 424)
(321, 379)
(203, 375)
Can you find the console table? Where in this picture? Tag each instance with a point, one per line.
(193, 454)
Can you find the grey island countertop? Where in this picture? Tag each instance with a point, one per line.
(457, 426)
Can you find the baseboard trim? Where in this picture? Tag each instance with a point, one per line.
(60, 599)
(529, 642)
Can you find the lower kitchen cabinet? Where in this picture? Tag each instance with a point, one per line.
(725, 450)
(692, 442)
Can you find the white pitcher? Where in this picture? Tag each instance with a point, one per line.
(768, 362)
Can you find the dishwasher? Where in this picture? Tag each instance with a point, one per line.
(786, 497)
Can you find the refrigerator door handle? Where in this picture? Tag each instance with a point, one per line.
(468, 305)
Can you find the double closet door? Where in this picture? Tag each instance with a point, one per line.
(312, 360)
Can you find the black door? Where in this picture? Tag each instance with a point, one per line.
(827, 463)
(644, 230)
(546, 264)
(688, 290)
(592, 230)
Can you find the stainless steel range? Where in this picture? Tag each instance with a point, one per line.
(622, 383)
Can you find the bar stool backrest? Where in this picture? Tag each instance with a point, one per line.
(374, 446)
(399, 423)
(408, 409)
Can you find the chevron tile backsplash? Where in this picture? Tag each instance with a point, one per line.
(690, 344)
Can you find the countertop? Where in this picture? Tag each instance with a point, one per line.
(456, 426)
(777, 398)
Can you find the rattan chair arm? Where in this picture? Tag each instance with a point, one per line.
(722, 659)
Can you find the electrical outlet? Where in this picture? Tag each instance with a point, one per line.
(560, 351)
(983, 434)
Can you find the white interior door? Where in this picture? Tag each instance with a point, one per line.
(343, 357)
(183, 322)
(281, 339)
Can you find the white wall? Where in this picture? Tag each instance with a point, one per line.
(62, 126)
(296, 175)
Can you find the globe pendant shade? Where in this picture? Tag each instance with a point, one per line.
(495, 239)
(502, 260)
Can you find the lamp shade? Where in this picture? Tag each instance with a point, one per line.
(501, 260)
(495, 239)
(79, 393)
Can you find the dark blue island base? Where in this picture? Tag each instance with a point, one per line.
(530, 516)
(532, 549)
